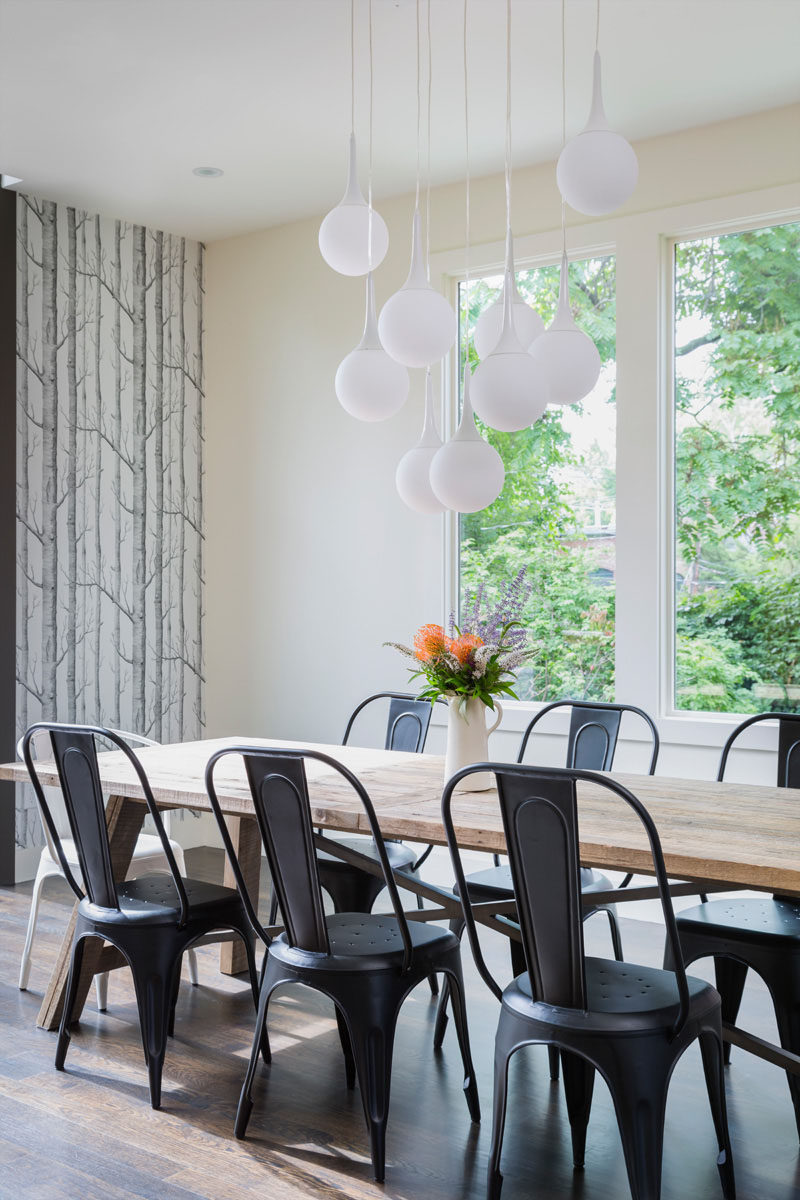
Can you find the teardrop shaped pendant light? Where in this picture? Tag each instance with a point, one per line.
(510, 387)
(597, 170)
(527, 322)
(467, 474)
(369, 384)
(567, 356)
(344, 234)
(417, 325)
(353, 238)
(413, 476)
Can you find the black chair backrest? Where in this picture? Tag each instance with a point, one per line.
(593, 733)
(279, 789)
(788, 774)
(75, 757)
(408, 723)
(540, 819)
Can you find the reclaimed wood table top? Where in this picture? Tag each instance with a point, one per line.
(741, 834)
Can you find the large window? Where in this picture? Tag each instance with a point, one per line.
(556, 513)
(737, 471)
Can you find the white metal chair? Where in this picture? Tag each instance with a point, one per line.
(148, 858)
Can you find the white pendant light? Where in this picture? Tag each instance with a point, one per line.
(417, 326)
(568, 357)
(467, 474)
(344, 235)
(510, 387)
(369, 384)
(527, 322)
(413, 477)
(597, 170)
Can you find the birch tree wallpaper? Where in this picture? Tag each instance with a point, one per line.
(109, 477)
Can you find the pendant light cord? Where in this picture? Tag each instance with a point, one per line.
(352, 69)
(428, 166)
(597, 27)
(466, 215)
(369, 155)
(564, 114)
(419, 113)
(508, 115)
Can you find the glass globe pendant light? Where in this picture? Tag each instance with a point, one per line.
(413, 477)
(369, 384)
(510, 387)
(526, 320)
(567, 356)
(353, 238)
(417, 325)
(508, 395)
(597, 171)
(467, 474)
(346, 232)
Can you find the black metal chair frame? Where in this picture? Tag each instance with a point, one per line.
(367, 989)
(758, 934)
(608, 730)
(151, 920)
(634, 1046)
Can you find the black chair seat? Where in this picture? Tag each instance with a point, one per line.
(752, 921)
(152, 900)
(373, 939)
(620, 998)
(495, 883)
(399, 855)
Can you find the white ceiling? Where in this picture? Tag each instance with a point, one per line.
(109, 104)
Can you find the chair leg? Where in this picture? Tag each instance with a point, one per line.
(501, 1061)
(462, 1030)
(730, 975)
(101, 990)
(373, 1042)
(714, 1067)
(787, 1016)
(578, 1088)
(155, 986)
(69, 1002)
(194, 977)
(246, 1096)
(639, 1100)
(456, 927)
(432, 980)
(25, 964)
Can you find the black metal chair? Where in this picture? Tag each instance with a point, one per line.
(153, 919)
(628, 1022)
(763, 934)
(591, 745)
(366, 964)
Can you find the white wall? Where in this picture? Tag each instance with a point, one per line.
(312, 560)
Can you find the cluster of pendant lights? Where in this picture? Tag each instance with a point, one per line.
(523, 366)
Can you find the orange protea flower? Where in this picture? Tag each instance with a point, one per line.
(462, 647)
(430, 640)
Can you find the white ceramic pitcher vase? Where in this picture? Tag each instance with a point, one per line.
(468, 740)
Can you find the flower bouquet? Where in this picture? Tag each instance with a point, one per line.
(470, 665)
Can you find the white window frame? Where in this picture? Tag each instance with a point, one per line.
(643, 245)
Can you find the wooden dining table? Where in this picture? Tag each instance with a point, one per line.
(714, 836)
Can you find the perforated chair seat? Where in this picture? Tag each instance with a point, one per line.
(152, 899)
(373, 939)
(620, 998)
(399, 855)
(756, 921)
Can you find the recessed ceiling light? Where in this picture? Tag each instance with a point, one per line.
(207, 172)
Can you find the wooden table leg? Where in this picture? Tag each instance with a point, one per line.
(247, 845)
(124, 818)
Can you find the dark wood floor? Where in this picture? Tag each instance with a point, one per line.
(90, 1133)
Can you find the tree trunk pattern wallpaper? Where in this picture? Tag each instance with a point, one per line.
(109, 477)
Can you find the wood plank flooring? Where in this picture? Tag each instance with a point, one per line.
(90, 1133)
